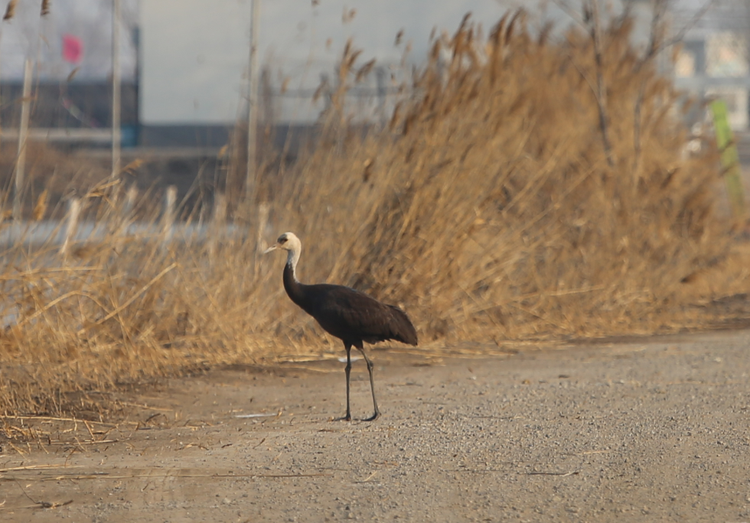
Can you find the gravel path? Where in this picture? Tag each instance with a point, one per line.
(650, 431)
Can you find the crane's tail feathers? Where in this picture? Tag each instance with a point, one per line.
(403, 329)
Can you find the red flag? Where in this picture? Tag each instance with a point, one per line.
(72, 49)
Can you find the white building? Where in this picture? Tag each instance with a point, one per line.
(190, 57)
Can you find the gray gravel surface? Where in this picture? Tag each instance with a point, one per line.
(654, 430)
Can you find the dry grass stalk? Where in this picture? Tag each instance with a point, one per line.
(10, 11)
(41, 206)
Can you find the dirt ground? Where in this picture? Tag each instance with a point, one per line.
(651, 430)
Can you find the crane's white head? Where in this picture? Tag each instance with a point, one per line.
(290, 243)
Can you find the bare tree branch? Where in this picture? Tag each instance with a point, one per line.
(657, 40)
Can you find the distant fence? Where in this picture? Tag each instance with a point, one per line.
(70, 232)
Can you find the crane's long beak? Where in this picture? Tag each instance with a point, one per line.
(271, 248)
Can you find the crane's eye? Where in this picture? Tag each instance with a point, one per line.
(282, 239)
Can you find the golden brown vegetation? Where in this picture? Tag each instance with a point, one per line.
(493, 209)
(489, 209)
(52, 176)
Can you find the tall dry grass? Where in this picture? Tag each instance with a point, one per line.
(488, 208)
(492, 209)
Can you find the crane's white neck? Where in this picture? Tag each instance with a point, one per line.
(292, 257)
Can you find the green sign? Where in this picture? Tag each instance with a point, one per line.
(730, 159)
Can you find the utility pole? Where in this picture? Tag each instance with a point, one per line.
(23, 133)
(252, 102)
(116, 140)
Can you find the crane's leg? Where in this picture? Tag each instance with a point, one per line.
(372, 385)
(348, 370)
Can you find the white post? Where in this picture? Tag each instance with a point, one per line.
(130, 198)
(22, 136)
(124, 220)
(263, 211)
(169, 211)
(74, 211)
(252, 102)
(116, 139)
(126, 209)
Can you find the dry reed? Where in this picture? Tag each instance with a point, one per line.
(493, 209)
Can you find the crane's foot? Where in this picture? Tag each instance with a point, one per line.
(347, 417)
(373, 417)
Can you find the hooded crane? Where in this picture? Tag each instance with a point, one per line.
(346, 313)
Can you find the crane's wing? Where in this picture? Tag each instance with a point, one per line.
(350, 314)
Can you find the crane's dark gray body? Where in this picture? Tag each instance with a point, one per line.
(346, 313)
